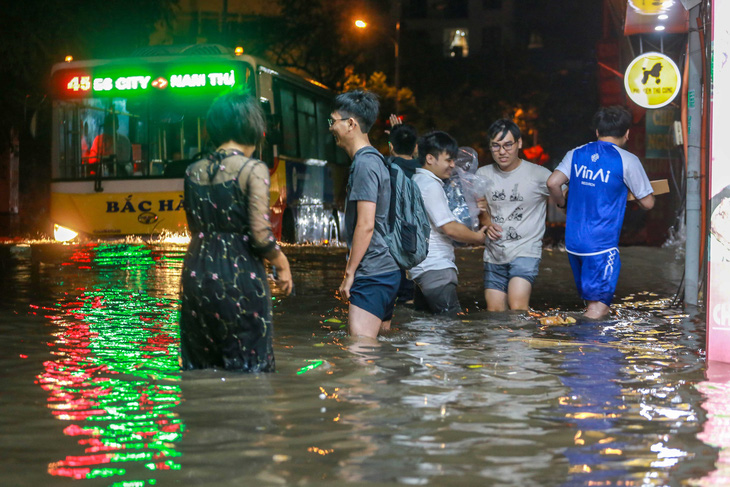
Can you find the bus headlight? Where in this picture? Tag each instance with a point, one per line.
(63, 234)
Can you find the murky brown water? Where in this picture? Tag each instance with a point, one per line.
(90, 388)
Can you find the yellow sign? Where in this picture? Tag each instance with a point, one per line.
(112, 214)
(651, 7)
(652, 80)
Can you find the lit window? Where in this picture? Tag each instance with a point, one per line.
(456, 42)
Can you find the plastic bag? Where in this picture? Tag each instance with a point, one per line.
(463, 189)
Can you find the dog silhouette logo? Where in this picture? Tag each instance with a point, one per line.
(654, 71)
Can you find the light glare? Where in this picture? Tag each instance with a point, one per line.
(63, 234)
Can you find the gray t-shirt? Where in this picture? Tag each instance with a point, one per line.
(518, 203)
(370, 181)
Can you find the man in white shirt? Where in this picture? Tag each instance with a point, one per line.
(435, 277)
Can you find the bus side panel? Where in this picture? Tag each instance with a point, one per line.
(308, 184)
(328, 186)
(108, 214)
(277, 197)
(339, 175)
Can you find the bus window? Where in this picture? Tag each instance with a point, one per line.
(304, 124)
(89, 132)
(307, 122)
(326, 143)
(273, 134)
(150, 139)
(289, 143)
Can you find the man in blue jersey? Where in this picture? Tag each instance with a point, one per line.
(600, 174)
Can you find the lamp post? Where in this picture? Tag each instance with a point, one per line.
(361, 24)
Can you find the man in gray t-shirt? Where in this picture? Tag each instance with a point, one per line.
(372, 276)
(370, 181)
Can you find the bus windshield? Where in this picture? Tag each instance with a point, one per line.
(129, 133)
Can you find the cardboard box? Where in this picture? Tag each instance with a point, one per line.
(660, 186)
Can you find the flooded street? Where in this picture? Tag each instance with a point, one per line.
(91, 389)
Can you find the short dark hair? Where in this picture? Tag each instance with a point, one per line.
(361, 105)
(235, 116)
(403, 137)
(612, 121)
(435, 143)
(498, 130)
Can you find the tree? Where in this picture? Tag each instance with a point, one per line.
(39, 33)
(377, 83)
(310, 37)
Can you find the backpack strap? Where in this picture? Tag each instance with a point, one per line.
(391, 211)
(372, 150)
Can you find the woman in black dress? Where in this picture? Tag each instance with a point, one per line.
(225, 321)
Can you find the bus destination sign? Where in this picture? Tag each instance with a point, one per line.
(74, 83)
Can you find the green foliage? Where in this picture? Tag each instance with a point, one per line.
(311, 37)
(377, 83)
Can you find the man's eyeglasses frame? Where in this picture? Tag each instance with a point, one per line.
(332, 121)
(507, 146)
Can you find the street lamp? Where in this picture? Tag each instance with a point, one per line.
(361, 24)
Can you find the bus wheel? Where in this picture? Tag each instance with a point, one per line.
(288, 233)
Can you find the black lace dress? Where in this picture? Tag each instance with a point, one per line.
(225, 321)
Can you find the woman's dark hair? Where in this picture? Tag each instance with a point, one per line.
(498, 130)
(612, 121)
(435, 143)
(235, 116)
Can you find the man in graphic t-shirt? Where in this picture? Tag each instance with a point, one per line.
(515, 210)
(600, 174)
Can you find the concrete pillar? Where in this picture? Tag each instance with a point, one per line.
(694, 141)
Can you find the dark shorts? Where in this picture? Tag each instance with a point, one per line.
(436, 292)
(376, 294)
(497, 276)
(596, 275)
(406, 289)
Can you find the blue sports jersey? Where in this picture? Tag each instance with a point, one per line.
(600, 175)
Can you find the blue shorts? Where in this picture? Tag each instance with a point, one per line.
(596, 275)
(497, 276)
(376, 294)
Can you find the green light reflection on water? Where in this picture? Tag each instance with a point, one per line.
(121, 349)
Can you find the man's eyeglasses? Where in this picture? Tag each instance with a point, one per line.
(331, 121)
(507, 146)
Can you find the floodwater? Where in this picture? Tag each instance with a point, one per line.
(90, 393)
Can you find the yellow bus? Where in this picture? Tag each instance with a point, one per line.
(154, 103)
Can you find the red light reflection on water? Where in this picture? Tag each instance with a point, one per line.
(110, 342)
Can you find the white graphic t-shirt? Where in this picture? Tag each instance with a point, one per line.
(518, 203)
